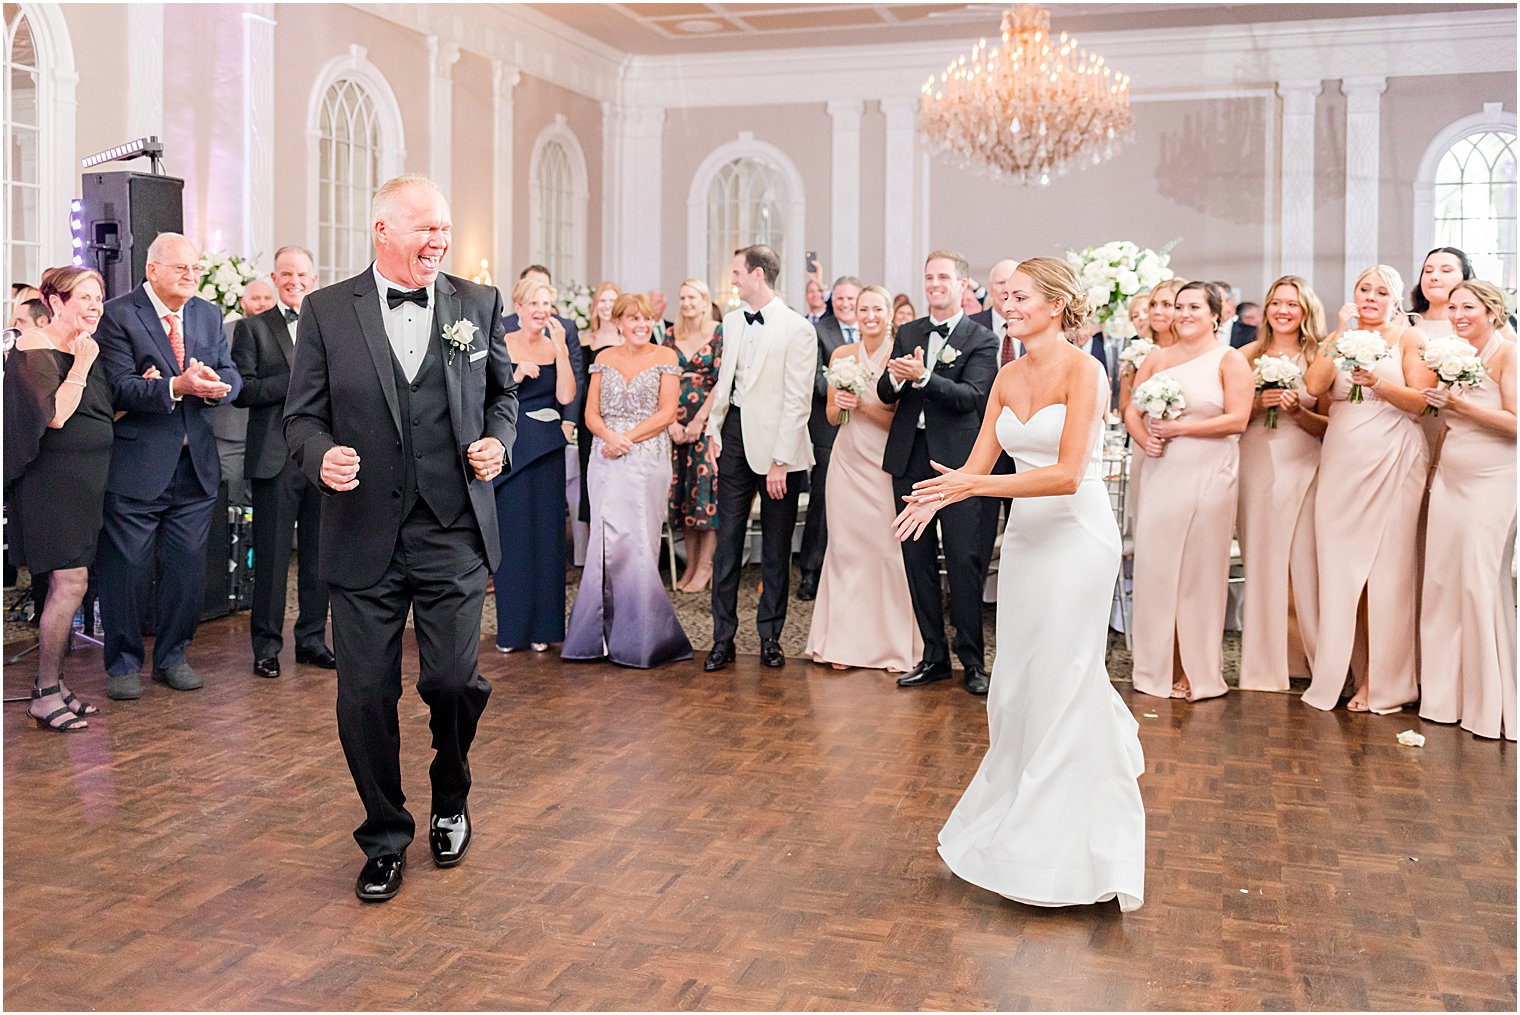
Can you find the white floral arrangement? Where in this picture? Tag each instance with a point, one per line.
(1456, 364)
(223, 279)
(1359, 350)
(848, 374)
(1276, 373)
(1160, 397)
(575, 304)
(1134, 354)
(1113, 273)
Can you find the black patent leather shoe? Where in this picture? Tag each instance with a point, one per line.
(924, 674)
(380, 877)
(721, 655)
(269, 666)
(808, 588)
(977, 680)
(449, 838)
(321, 657)
(770, 654)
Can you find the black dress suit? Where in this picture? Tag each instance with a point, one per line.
(993, 506)
(952, 403)
(815, 530)
(418, 531)
(285, 503)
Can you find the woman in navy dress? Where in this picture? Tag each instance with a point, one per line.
(530, 499)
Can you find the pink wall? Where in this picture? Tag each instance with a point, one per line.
(470, 189)
(203, 123)
(96, 32)
(535, 102)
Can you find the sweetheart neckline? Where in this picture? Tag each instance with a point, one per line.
(1026, 422)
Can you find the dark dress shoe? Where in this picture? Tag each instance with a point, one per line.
(770, 654)
(721, 655)
(269, 666)
(449, 838)
(924, 674)
(977, 680)
(808, 588)
(317, 657)
(380, 877)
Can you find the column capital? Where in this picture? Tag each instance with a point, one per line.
(442, 55)
(507, 75)
(1376, 84)
(898, 109)
(846, 110)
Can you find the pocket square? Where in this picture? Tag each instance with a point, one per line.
(478, 355)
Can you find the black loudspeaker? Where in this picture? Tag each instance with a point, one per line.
(121, 214)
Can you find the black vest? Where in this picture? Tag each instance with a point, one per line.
(429, 454)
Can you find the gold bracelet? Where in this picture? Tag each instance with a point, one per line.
(70, 380)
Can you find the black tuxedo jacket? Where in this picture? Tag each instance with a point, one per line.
(263, 353)
(830, 338)
(952, 402)
(343, 392)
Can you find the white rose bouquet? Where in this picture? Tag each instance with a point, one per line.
(1113, 273)
(1359, 350)
(575, 304)
(1160, 397)
(1134, 354)
(848, 374)
(223, 279)
(1456, 364)
(1276, 373)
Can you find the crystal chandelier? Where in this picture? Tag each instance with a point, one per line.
(1029, 109)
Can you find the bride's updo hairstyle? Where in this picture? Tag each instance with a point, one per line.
(1212, 295)
(1057, 280)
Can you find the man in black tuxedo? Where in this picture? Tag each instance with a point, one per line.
(834, 330)
(168, 362)
(228, 421)
(999, 284)
(940, 373)
(402, 409)
(284, 503)
(570, 415)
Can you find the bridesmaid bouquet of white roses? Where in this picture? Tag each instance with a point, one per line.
(1134, 354)
(1359, 350)
(1160, 397)
(1273, 373)
(848, 374)
(1456, 365)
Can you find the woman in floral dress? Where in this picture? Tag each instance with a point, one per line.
(698, 342)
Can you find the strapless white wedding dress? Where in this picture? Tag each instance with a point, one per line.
(1053, 817)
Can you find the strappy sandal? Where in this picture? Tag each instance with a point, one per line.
(78, 705)
(1182, 692)
(60, 720)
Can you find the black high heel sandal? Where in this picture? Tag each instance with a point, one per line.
(61, 719)
(77, 705)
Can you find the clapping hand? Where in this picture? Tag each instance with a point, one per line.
(906, 369)
(201, 381)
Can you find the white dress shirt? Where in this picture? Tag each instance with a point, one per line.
(408, 326)
(851, 333)
(163, 312)
(937, 343)
(290, 326)
(748, 345)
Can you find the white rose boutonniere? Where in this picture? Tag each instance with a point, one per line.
(949, 354)
(460, 336)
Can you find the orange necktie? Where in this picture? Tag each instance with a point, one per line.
(176, 340)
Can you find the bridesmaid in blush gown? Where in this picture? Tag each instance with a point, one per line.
(1371, 482)
(1184, 523)
(1160, 310)
(1467, 618)
(863, 573)
(1053, 815)
(1278, 472)
(622, 612)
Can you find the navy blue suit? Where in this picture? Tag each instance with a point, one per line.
(162, 485)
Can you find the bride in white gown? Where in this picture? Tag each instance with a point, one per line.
(1053, 817)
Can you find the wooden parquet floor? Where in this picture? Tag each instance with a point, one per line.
(755, 839)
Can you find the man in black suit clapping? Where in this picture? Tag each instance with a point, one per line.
(941, 371)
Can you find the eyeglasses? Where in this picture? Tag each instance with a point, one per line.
(179, 269)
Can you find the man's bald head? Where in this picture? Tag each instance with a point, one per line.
(998, 283)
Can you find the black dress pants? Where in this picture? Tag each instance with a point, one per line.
(815, 528)
(959, 527)
(991, 506)
(737, 486)
(279, 504)
(439, 572)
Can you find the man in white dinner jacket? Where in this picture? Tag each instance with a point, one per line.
(759, 428)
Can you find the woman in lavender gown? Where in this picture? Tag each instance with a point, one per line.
(622, 612)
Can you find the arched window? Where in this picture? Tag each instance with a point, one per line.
(21, 170)
(1475, 203)
(558, 193)
(745, 192)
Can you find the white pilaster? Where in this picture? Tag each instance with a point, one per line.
(258, 134)
(1297, 216)
(844, 196)
(441, 59)
(631, 198)
(899, 216)
(145, 71)
(504, 78)
(1363, 117)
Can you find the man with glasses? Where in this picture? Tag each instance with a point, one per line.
(168, 364)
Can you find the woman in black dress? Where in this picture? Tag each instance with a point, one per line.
(58, 433)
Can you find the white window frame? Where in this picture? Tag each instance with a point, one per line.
(746, 146)
(559, 133)
(57, 176)
(1492, 117)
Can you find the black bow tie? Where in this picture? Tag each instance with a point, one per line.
(396, 297)
(756, 318)
(942, 330)
(292, 316)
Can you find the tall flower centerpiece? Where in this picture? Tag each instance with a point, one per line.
(223, 278)
(1113, 273)
(574, 303)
